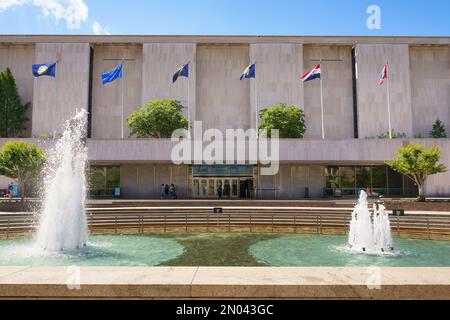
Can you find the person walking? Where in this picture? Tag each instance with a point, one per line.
(219, 190)
(162, 191)
(10, 190)
(166, 190)
(173, 192)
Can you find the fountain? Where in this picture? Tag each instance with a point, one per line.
(62, 225)
(368, 236)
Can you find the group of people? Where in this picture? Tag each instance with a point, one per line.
(10, 191)
(168, 191)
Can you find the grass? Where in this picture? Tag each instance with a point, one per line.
(220, 249)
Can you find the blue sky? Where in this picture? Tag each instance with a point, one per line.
(221, 17)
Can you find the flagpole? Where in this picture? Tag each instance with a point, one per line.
(256, 108)
(122, 80)
(321, 101)
(388, 99)
(188, 107)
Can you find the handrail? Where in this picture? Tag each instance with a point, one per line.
(428, 226)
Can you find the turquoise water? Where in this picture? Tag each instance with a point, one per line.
(231, 248)
(326, 250)
(102, 250)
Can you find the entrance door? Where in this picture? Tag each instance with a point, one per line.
(207, 187)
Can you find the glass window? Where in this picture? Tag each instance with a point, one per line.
(379, 177)
(203, 189)
(196, 188)
(103, 180)
(112, 177)
(234, 188)
(97, 177)
(226, 188)
(211, 188)
(347, 180)
(395, 183)
(363, 177)
(332, 177)
(410, 187)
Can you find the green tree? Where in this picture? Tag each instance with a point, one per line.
(12, 110)
(438, 130)
(22, 161)
(289, 120)
(158, 119)
(417, 163)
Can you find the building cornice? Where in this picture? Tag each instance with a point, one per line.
(325, 40)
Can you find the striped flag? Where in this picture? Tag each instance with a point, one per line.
(313, 74)
(384, 74)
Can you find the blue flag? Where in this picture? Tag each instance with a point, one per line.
(249, 72)
(113, 75)
(182, 72)
(44, 70)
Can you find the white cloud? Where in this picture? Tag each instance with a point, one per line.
(5, 4)
(98, 29)
(74, 12)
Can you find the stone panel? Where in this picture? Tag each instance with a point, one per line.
(107, 99)
(57, 99)
(160, 62)
(222, 99)
(372, 98)
(430, 87)
(278, 70)
(337, 92)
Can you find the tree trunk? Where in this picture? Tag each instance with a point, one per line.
(22, 190)
(421, 197)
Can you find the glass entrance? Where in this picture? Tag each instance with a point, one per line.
(232, 187)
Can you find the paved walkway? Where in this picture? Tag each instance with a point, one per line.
(225, 282)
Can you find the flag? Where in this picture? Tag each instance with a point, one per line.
(313, 74)
(44, 70)
(249, 72)
(182, 72)
(113, 75)
(384, 74)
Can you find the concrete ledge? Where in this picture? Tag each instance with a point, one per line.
(224, 283)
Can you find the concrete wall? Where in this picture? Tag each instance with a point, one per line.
(222, 99)
(278, 67)
(337, 92)
(107, 99)
(20, 58)
(160, 62)
(56, 99)
(430, 87)
(142, 181)
(372, 98)
(292, 179)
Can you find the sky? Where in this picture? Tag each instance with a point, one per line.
(227, 17)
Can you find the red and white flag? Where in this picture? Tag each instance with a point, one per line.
(384, 74)
(313, 74)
